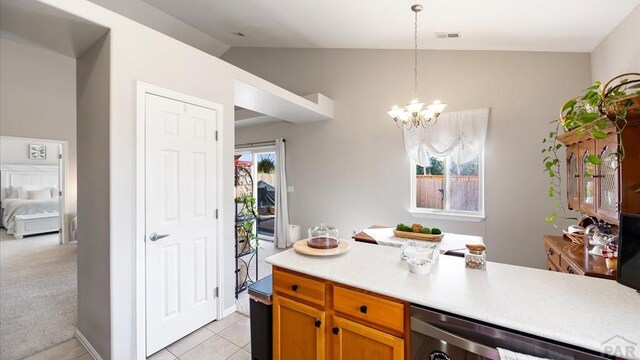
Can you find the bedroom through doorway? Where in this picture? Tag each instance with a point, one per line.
(33, 188)
(38, 258)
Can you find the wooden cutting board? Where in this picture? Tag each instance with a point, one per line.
(302, 247)
(417, 236)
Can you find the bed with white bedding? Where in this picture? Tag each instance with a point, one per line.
(14, 207)
(30, 199)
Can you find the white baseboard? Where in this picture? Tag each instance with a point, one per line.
(229, 311)
(87, 345)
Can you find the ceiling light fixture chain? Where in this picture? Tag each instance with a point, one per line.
(415, 9)
(415, 114)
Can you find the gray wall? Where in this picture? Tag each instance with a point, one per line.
(38, 100)
(17, 152)
(619, 51)
(93, 197)
(155, 18)
(352, 171)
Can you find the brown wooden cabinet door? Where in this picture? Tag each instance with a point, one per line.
(351, 340)
(298, 330)
(607, 182)
(573, 176)
(587, 179)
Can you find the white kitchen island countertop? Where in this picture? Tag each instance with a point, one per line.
(576, 310)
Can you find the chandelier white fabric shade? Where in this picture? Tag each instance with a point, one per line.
(415, 114)
(460, 133)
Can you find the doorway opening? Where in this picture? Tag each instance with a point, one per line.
(47, 75)
(266, 194)
(33, 188)
(260, 163)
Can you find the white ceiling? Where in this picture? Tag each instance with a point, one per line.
(540, 25)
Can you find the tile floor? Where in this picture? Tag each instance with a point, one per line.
(228, 338)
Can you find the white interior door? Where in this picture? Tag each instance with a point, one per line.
(181, 223)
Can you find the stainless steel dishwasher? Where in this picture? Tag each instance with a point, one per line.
(439, 336)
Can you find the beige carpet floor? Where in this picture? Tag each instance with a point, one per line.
(267, 248)
(38, 294)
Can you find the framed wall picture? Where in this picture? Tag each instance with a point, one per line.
(37, 152)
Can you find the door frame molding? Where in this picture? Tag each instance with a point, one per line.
(142, 89)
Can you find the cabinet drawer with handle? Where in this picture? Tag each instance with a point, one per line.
(299, 287)
(373, 309)
(552, 253)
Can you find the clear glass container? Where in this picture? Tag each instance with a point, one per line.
(420, 255)
(476, 258)
(323, 237)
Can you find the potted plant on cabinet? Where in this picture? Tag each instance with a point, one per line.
(598, 112)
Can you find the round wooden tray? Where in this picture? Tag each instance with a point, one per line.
(417, 236)
(301, 247)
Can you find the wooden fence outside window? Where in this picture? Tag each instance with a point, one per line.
(463, 192)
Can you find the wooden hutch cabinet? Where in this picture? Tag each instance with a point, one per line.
(600, 191)
(605, 190)
(318, 319)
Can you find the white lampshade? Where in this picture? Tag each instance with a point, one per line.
(395, 112)
(437, 107)
(404, 116)
(414, 106)
(426, 113)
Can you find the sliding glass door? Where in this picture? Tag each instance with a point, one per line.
(265, 166)
(262, 162)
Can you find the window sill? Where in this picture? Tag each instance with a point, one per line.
(446, 215)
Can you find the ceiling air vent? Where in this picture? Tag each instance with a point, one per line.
(447, 35)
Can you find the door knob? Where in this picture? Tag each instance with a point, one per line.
(156, 236)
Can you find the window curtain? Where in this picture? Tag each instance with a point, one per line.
(461, 134)
(282, 209)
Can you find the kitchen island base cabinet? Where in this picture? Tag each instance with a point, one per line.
(299, 330)
(355, 341)
(317, 319)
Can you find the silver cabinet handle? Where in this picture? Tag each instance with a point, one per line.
(156, 236)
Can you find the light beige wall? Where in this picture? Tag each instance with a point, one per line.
(155, 18)
(167, 63)
(352, 171)
(94, 312)
(38, 100)
(17, 152)
(138, 53)
(619, 51)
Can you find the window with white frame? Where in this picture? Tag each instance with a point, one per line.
(447, 165)
(448, 188)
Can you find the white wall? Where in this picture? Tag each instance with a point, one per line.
(94, 275)
(619, 51)
(138, 53)
(17, 152)
(352, 171)
(38, 100)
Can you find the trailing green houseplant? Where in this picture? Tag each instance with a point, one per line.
(593, 112)
(246, 211)
(246, 206)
